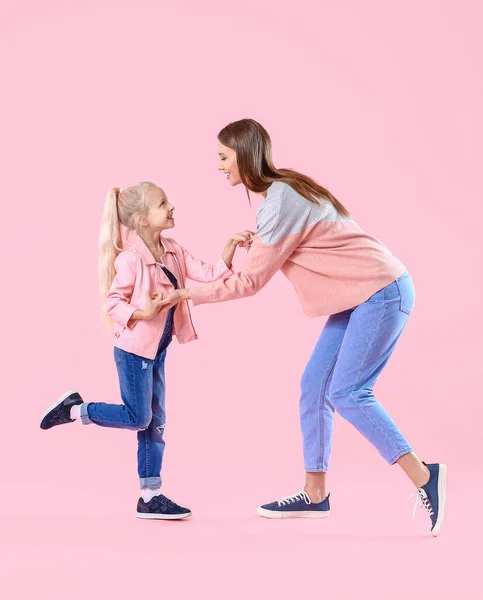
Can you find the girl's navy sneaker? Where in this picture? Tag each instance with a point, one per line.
(433, 496)
(59, 413)
(298, 505)
(160, 507)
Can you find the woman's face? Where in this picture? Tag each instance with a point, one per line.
(228, 164)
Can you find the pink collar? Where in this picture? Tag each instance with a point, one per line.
(130, 239)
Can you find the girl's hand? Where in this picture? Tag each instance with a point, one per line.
(153, 305)
(243, 239)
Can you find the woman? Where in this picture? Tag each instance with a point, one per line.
(336, 270)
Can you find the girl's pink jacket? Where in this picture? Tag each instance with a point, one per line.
(138, 273)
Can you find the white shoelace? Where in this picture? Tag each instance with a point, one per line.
(422, 501)
(295, 498)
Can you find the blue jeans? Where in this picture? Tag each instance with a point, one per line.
(143, 387)
(351, 352)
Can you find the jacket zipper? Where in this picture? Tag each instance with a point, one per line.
(187, 303)
(157, 280)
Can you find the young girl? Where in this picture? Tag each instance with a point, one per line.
(138, 267)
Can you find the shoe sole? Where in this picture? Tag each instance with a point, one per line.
(162, 517)
(56, 404)
(443, 470)
(300, 514)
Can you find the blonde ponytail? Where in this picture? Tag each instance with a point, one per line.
(109, 248)
(126, 206)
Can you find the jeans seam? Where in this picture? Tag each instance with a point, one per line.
(376, 425)
(321, 403)
(146, 452)
(351, 393)
(113, 424)
(369, 346)
(133, 388)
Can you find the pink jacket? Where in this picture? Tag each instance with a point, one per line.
(138, 273)
(332, 264)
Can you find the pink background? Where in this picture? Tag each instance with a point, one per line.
(381, 102)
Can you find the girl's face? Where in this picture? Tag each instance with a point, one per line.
(228, 164)
(160, 212)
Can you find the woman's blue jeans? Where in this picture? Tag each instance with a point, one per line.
(351, 352)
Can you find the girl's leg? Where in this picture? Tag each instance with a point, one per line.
(136, 383)
(150, 440)
(316, 410)
(372, 333)
(153, 504)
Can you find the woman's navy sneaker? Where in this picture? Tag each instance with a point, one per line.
(59, 413)
(298, 505)
(433, 496)
(161, 507)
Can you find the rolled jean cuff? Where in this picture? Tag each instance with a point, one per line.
(84, 415)
(152, 483)
(402, 452)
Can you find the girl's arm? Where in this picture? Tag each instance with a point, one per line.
(118, 299)
(237, 239)
(120, 292)
(198, 270)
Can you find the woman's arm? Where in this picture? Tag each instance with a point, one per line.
(279, 231)
(261, 265)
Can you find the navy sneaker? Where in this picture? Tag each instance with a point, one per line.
(433, 496)
(298, 505)
(161, 507)
(59, 413)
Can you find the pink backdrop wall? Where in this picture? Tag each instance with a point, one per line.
(379, 101)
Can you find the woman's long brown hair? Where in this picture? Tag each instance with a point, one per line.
(253, 148)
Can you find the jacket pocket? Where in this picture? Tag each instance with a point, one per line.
(118, 331)
(131, 327)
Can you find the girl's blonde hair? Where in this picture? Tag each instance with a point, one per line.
(126, 206)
